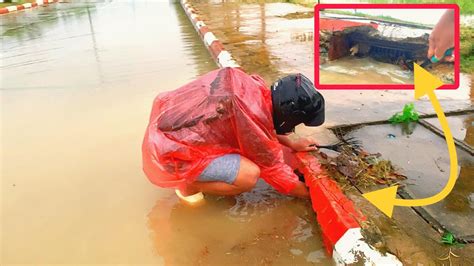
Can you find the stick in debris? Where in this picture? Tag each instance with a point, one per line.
(350, 142)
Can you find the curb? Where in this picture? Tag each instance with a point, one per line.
(331, 24)
(222, 57)
(338, 218)
(336, 214)
(9, 9)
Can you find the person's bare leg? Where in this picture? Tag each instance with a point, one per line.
(300, 191)
(246, 179)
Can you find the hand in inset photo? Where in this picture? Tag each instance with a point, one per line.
(441, 41)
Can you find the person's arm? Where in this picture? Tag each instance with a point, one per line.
(442, 36)
(285, 140)
(300, 191)
(281, 177)
(301, 144)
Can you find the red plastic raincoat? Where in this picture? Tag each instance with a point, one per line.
(224, 111)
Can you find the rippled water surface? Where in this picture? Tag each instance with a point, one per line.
(77, 85)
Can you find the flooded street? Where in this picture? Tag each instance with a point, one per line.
(78, 81)
(257, 35)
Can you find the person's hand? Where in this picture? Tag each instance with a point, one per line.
(442, 37)
(304, 144)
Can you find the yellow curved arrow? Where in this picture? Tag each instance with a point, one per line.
(385, 199)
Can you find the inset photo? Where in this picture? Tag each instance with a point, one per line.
(372, 46)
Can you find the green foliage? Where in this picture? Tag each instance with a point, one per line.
(467, 49)
(408, 114)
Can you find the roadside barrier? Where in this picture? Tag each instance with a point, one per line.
(14, 8)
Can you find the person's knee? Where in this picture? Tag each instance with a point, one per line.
(253, 175)
(248, 175)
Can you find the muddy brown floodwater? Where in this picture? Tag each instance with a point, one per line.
(78, 81)
(352, 70)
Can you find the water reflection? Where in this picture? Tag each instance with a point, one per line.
(460, 200)
(244, 30)
(195, 50)
(94, 47)
(32, 24)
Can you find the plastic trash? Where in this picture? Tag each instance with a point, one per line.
(409, 114)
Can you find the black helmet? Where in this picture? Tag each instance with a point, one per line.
(295, 101)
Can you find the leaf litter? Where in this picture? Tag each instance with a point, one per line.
(359, 168)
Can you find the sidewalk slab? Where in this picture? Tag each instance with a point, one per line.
(422, 157)
(461, 126)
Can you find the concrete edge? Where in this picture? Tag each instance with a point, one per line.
(336, 214)
(338, 218)
(13, 8)
(222, 57)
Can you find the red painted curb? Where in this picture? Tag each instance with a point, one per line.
(339, 25)
(335, 212)
(338, 218)
(13, 8)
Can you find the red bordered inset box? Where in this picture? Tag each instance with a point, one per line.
(317, 9)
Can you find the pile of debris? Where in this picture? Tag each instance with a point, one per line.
(358, 168)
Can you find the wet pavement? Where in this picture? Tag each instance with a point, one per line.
(258, 35)
(78, 81)
(270, 40)
(462, 127)
(422, 156)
